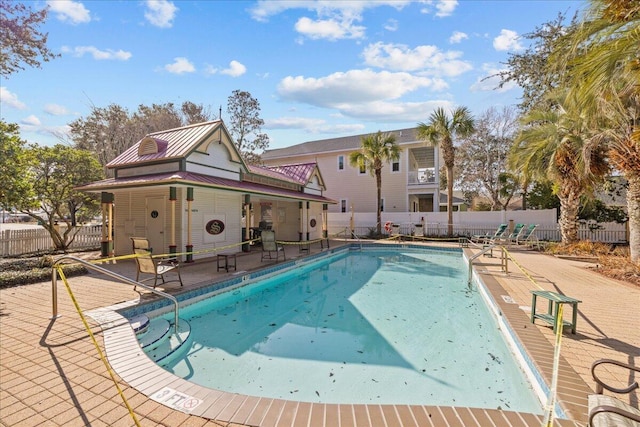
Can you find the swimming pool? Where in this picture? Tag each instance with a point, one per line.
(371, 326)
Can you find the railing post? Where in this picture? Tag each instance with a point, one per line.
(54, 294)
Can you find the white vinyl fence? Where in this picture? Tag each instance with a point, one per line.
(26, 241)
(434, 224)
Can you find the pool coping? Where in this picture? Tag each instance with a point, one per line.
(138, 370)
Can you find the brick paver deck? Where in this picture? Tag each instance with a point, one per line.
(51, 374)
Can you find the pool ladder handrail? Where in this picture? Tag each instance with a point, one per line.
(503, 259)
(54, 285)
(355, 236)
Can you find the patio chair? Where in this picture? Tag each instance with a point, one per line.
(607, 410)
(271, 247)
(149, 265)
(527, 236)
(487, 238)
(513, 236)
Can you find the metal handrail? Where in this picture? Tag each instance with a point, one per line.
(354, 235)
(503, 260)
(54, 285)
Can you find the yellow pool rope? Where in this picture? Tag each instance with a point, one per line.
(300, 243)
(549, 409)
(95, 343)
(522, 269)
(549, 412)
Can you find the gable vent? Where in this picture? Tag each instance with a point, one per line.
(148, 146)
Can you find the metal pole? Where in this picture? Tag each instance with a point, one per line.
(54, 294)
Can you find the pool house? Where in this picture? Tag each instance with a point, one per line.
(189, 192)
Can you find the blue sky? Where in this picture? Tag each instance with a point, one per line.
(320, 69)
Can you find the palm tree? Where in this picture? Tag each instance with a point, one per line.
(376, 150)
(603, 59)
(554, 144)
(441, 129)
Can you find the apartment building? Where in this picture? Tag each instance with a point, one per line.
(410, 184)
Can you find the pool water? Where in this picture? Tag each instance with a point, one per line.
(360, 327)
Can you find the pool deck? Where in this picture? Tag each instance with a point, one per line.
(52, 375)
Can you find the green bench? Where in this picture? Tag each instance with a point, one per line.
(551, 316)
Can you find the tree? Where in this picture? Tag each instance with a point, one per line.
(245, 125)
(604, 58)
(20, 38)
(193, 113)
(15, 182)
(53, 174)
(542, 196)
(530, 69)
(482, 157)
(440, 130)
(555, 144)
(106, 132)
(376, 150)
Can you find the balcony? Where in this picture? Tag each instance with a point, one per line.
(421, 176)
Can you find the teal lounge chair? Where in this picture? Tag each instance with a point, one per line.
(527, 236)
(513, 236)
(486, 238)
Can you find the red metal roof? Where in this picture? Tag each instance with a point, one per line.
(177, 143)
(187, 178)
(298, 173)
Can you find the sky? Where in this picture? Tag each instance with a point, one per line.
(319, 69)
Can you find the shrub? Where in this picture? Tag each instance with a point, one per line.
(22, 271)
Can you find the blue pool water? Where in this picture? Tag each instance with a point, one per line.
(359, 327)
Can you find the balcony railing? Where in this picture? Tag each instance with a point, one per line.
(422, 176)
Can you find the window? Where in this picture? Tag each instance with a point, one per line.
(395, 166)
(362, 169)
(340, 163)
(343, 205)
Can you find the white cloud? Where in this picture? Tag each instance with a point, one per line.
(69, 11)
(160, 13)
(389, 112)
(100, 55)
(489, 81)
(330, 29)
(344, 90)
(31, 121)
(507, 40)
(180, 66)
(294, 123)
(446, 7)
(391, 25)
(422, 58)
(312, 125)
(55, 110)
(443, 7)
(457, 37)
(10, 99)
(235, 69)
(264, 9)
(333, 20)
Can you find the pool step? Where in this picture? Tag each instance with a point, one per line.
(139, 324)
(160, 341)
